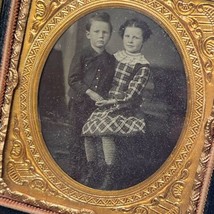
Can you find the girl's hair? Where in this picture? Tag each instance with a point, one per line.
(136, 23)
(99, 16)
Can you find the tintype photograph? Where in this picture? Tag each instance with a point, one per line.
(112, 99)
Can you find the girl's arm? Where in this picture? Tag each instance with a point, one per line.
(134, 89)
(136, 85)
(106, 102)
(93, 95)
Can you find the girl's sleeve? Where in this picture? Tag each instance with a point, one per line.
(136, 85)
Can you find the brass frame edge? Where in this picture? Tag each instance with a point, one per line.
(7, 46)
(206, 167)
(12, 204)
(8, 74)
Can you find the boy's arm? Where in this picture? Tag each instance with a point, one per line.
(76, 75)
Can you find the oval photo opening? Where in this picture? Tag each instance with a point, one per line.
(112, 99)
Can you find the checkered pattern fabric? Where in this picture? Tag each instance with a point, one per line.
(127, 86)
(107, 123)
(115, 120)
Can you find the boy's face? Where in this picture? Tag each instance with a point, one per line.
(99, 34)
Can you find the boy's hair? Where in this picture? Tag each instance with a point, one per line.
(136, 23)
(99, 16)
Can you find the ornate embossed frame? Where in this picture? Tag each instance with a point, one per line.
(31, 180)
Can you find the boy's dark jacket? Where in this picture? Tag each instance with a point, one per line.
(90, 70)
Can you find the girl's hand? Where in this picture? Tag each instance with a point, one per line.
(105, 102)
(101, 103)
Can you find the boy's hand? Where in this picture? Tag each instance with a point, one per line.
(93, 95)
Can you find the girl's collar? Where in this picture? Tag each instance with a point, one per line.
(129, 58)
(132, 54)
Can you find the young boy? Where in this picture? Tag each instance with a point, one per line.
(90, 76)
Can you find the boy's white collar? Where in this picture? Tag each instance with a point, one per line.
(130, 58)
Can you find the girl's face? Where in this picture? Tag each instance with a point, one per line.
(133, 39)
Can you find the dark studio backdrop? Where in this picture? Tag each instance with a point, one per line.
(166, 64)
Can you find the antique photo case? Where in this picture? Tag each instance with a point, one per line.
(56, 160)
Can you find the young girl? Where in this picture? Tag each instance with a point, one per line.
(117, 115)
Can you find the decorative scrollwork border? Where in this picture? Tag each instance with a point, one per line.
(172, 193)
(204, 170)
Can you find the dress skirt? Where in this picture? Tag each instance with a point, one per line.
(114, 121)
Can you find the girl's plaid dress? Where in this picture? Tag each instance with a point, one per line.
(131, 77)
